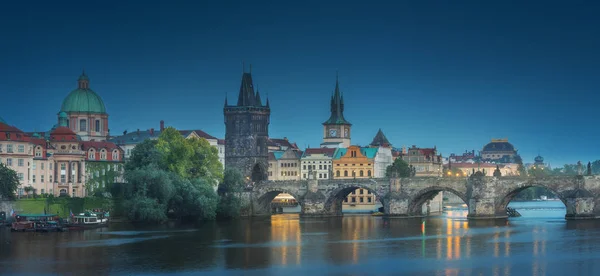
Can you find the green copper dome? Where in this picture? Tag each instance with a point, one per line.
(83, 99)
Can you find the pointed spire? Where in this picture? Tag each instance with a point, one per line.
(337, 105)
(258, 102)
(225, 99)
(267, 105)
(380, 140)
(246, 96)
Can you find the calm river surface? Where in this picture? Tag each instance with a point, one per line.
(539, 243)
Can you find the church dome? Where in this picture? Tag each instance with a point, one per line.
(539, 159)
(83, 99)
(499, 145)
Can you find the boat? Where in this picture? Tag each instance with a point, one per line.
(37, 223)
(377, 214)
(88, 220)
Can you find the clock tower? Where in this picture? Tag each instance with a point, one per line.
(336, 130)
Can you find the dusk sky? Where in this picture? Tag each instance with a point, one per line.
(453, 74)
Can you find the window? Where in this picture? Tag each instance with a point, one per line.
(354, 192)
(82, 125)
(368, 173)
(21, 162)
(115, 155)
(8, 161)
(91, 155)
(103, 154)
(50, 178)
(0, 147)
(345, 199)
(345, 173)
(362, 191)
(353, 199)
(304, 176)
(21, 148)
(304, 167)
(97, 125)
(369, 199)
(362, 173)
(42, 165)
(320, 167)
(20, 175)
(33, 178)
(362, 199)
(33, 165)
(42, 181)
(337, 173)
(9, 148)
(38, 153)
(43, 190)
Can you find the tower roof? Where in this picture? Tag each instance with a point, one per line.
(337, 107)
(83, 99)
(380, 140)
(247, 96)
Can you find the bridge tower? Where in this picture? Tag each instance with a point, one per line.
(247, 132)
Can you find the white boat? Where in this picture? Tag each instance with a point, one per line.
(88, 220)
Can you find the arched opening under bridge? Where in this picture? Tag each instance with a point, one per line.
(354, 199)
(533, 201)
(439, 201)
(278, 202)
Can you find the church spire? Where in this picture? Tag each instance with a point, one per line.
(337, 106)
(246, 96)
(258, 102)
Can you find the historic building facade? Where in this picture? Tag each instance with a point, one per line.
(336, 130)
(383, 158)
(317, 162)
(85, 111)
(499, 151)
(426, 161)
(247, 132)
(284, 164)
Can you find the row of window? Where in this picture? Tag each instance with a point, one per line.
(289, 173)
(360, 199)
(289, 165)
(314, 167)
(10, 148)
(353, 165)
(314, 162)
(360, 173)
(83, 125)
(92, 155)
(9, 162)
(321, 176)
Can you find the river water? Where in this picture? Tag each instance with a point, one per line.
(541, 242)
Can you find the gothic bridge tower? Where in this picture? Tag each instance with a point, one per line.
(247, 132)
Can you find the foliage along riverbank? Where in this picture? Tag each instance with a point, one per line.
(175, 177)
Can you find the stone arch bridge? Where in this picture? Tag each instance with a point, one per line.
(486, 197)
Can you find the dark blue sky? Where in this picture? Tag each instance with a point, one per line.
(447, 73)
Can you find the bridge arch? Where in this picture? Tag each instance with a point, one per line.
(422, 196)
(334, 202)
(264, 198)
(511, 193)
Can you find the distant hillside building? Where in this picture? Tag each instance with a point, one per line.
(499, 151)
(426, 161)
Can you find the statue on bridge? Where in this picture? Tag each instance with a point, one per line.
(589, 168)
(579, 168)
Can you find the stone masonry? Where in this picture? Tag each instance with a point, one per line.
(486, 197)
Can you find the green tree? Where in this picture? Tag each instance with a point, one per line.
(144, 154)
(194, 199)
(189, 158)
(230, 203)
(9, 182)
(399, 168)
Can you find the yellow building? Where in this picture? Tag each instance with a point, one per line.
(353, 162)
(356, 162)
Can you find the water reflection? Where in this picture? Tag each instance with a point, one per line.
(350, 245)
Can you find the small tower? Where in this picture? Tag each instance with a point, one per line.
(336, 130)
(247, 132)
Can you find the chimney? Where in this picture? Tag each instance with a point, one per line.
(151, 132)
(285, 138)
(162, 125)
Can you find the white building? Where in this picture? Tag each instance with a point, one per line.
(318, 161)
(383, 159)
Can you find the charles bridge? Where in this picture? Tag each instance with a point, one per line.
(486, 197)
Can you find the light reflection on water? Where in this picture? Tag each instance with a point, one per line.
(539, 243)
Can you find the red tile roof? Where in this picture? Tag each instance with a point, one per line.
(99, 145)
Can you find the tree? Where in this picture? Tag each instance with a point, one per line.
(230, 203)
(9, 182)
(189, 158)
(399, 169)
(174, 176)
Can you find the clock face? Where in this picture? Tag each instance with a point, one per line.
(333, 132)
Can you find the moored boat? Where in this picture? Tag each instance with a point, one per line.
(37, 222)
(88, 220)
